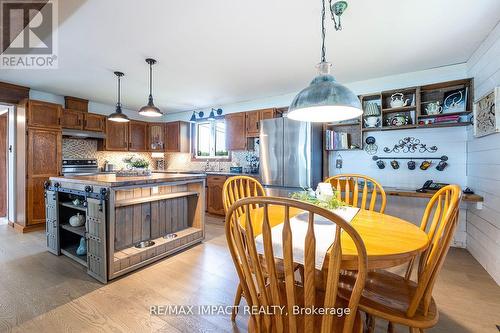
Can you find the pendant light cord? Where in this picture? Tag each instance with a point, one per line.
(323, 33)
(150, 80)
(119, 104)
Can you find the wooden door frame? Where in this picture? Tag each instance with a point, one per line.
(4, 169)
(13, 94)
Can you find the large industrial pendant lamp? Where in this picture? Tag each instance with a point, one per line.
(326, 100)
(118, 115)
(150, 110)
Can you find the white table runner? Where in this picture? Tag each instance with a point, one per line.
(324, 232)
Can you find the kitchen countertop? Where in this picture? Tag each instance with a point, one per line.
(111, 180)
(406, 192)
(222, 173)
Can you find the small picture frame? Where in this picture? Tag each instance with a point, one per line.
(487, 114)
(455, 101)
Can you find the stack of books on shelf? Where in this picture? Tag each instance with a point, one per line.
(336, 140)
(446, 119)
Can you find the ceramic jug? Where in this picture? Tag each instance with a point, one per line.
(433, 108)
(77, 220)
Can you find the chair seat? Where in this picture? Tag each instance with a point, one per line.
(388, 296)
(338, 322)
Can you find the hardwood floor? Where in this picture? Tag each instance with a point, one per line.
(44, 293)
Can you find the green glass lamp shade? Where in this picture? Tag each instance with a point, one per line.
(325, 100)
(118, 115)
(150, 110)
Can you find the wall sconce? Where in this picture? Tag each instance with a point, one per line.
(193, 117)
(212, 113)
(197, 116)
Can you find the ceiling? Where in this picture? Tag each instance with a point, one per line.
(218, 52)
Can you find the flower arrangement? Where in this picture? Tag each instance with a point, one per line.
(136, 162)
(319, 198)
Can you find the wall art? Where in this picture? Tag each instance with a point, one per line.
(487, 114)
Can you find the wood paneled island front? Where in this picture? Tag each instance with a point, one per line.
(129, 222)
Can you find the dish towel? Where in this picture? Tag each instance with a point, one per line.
(324, 232)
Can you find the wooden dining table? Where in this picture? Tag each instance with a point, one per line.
(389, 240)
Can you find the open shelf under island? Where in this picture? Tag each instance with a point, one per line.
(129, 221)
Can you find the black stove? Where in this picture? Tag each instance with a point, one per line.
(79, 167)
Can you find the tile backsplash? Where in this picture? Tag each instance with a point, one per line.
(177, 161)
(79, 148)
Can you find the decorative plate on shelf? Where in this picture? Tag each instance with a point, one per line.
(455, 100)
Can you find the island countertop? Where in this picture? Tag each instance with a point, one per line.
(111, 180)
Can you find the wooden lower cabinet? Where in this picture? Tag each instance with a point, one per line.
(43, 161)
(215, 185)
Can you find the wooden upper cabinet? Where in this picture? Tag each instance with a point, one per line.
(156, 137)
(252, 123)
(254, 118)
(116, 135)
(94, 122)
(43, 160)
(43, 114)
(76, 103)
(72, 119)
(235, 131)
(137, 136)
(177, 137)
(267, 114)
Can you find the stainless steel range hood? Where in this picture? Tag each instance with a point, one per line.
(81, 134)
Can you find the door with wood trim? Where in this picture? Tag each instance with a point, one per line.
(3, 165)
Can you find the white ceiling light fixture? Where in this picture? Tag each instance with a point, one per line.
(325, 99)
(150, 110)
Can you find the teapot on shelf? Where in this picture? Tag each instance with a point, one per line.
(398, 101)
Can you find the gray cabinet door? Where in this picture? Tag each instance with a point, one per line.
(96, 239)
(52, 222)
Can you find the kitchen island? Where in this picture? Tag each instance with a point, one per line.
(127, 222)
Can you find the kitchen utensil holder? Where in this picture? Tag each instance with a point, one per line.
(441, 158)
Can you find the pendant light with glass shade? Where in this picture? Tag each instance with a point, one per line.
(118, 115)
(150, 110)
(326, 100)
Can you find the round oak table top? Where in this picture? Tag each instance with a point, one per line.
(389, 241)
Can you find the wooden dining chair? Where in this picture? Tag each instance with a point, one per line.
(265, 289)
(235, 188)
(402, 301)
(348, 189)
(239, 187)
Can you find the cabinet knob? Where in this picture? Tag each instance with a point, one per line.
(88, 189)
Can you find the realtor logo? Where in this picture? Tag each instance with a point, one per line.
(29, 34)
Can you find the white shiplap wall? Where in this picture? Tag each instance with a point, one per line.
(451, 142)
(483, 163)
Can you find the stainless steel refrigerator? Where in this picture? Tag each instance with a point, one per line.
(291, 155)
